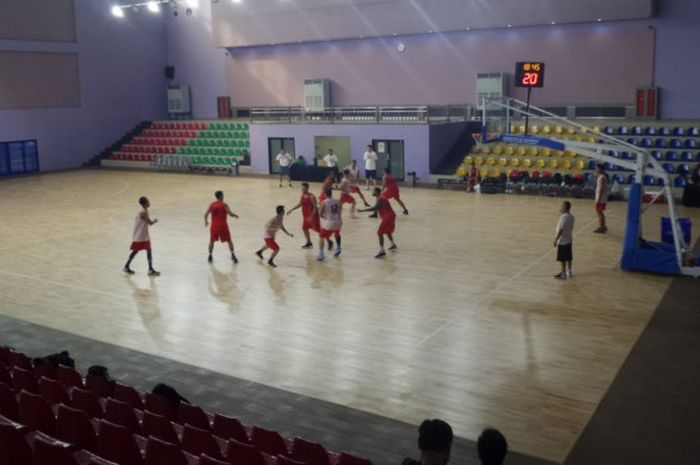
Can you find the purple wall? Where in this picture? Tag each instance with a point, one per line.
(677, 58)
(190, 48)
(415, 137)
(122, 82)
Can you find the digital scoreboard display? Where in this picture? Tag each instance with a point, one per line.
(529, 74)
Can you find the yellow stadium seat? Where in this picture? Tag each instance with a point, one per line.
(495, 173)
(558, 153)
(569, 154)
(485, 149)
(534, 129)
(468, 160)
(546, 129)
(461, 171)
(497, 150)
(475, 149)
(484, 172)
(580, 164)
(490, 161)
(509, 150)
(566, 164)
(521, 151)
(502, 161)
(532, 151)
(590, 140)
(527, 163)
(570, 131)
(545, 152)
(553, 163)
(515, 162)
(479, 160)
(513, 129)
(521, 129)
(578, 138)
(539, 163)
(558, 130)
(596, 128)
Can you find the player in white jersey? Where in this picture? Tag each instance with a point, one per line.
(601, 197)
(352, 172)
(271, 228)
(330, 213)
(141, 239)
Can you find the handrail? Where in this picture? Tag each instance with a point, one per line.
(387, 114)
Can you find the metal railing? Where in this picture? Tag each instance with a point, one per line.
(421, 114)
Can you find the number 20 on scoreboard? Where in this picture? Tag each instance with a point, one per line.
(529, 74)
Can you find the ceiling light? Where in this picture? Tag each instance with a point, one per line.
(469, 29)
(192, 3)
(553, 22)
(600, 19)
(510, 25)
(236, 1)
(153, 7)
(117, 11)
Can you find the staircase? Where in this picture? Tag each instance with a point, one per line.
(456, 154)
(137, 130)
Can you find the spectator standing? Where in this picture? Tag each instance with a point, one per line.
(370, 158)
(285, 161)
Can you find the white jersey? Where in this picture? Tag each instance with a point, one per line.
(370, 160)
(272, 227)
(284, 159)
(332, 219)
(141, 228)
(601, 189)
(566, 225)
(331, 160)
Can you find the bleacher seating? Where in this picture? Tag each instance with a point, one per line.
(205, 145)
(42, 429)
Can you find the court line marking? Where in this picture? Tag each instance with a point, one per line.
(487, 295)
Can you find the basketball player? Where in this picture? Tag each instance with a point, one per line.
(309, 210)
(271, 228)
(390, 189)
(564, 240)
(345, 196)
(601, 197)
(330, 213)
(388, 223)
(141, 238)
(219, 226)
(327, 184)
(354, 178)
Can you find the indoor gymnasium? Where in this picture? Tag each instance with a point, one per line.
(349, 232)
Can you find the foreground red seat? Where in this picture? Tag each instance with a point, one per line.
(116, 443)
(98, 385)
(164, 453)
(309, 452)
(19, 360)
(159, 427)
(204, 459)
(49, 451)
(282, 460)
(14, 449)
(73, 426)
(25, 380)
(53, 392)
(87, 402)
(238, 453)
(270, 442)
(158, 404)
(229, 428)
(199, 441)
(192, 415)
(68, 377)
(121, 413)
(5, 376)
(129, 395)
(348, 459)
(8, 402)
(5, 355)
(35, 412)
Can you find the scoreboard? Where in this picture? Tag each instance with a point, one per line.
(529, 74)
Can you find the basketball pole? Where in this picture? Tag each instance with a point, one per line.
(527, 111)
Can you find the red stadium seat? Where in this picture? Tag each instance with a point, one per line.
(35, 412)
(192, 415)
(160, 405)
(239, 453)
(19, 360)
(164, 453)
(14, 449)
(68, 377)
(204, 459)
(229, 428)
(116, 443)
(87, 402)
(282, 460)
(5, 376)
(128, 394)
(24, 379)
(8, 402)
(99, 385)
(348, 459)
(5, 355)
(309, 452)
(270, 442)
(49, 451)
(53, 392)
(121, 413)
(199, 441)
(47, 370)
(159, 427)
(73, 426)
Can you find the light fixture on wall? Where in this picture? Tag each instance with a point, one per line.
(117, 11)
(153, 7)
(192, 4)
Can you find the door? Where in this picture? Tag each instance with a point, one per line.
(275, 144)
(390, 154)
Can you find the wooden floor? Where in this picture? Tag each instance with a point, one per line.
(464, 322)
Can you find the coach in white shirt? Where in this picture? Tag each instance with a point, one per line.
(285, 161)
(370, 158)
(331, 161)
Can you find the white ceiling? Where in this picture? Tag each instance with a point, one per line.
(262, 22)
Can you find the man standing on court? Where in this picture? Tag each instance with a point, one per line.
(388, 224)
(601, 197)
(309, 211)
(564, 239)
(285, 161)
(390, 189)
(330, 214)
(331, 161)
(271, 228)
(219, 231)
(141, 238)
(370, 158)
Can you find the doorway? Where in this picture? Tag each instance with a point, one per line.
(340, 146)
(275, 144)
(390, 154)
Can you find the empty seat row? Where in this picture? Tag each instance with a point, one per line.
(212, 152)
(678, 131)
(132, 157)
(140, 140)
(179, 126)
(146, 149)
(169, 134)
(219, 143)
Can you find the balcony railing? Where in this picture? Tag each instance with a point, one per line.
(364, 115)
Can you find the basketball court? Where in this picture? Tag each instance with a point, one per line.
(464, 322)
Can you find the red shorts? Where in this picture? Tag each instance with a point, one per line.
(600, 207)
(355, 190)
(220, 233)
(346, 198)
(386, 195)
(387, 226)
(326, 234)
(271, 244)
(145, 245)
(311, 223)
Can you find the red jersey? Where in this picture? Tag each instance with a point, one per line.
(307, 207)
(385, 211)
(390, 183)
(218, 213)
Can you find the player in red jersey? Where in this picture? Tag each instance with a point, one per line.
(309, 210)
(390, 189)
(219, 231)
(388, 223)
(327, 184)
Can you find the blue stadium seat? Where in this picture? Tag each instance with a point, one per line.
(675, 144)
(627, 156)
(690, 144)
(679, 131)
(671, 156)
(614, 153)
(694, 132)
(609, 130)
(688, 156)
(683, 169)
(632, 140)
(591, 164)
(630, 179)
(650, 131)
(618, 178)
(656, 154)
(649, 180)
(647, 143)
(668, 167)
(664, 131)
(623, 130)
(587, 176)
(609, 166)
(680, 181)
(637, 131)
(660, 143)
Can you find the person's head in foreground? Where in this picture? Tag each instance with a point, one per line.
(565, 207)
(492, 447)
(434, 442)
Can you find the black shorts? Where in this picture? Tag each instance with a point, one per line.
(565, 253)
(371, 174)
